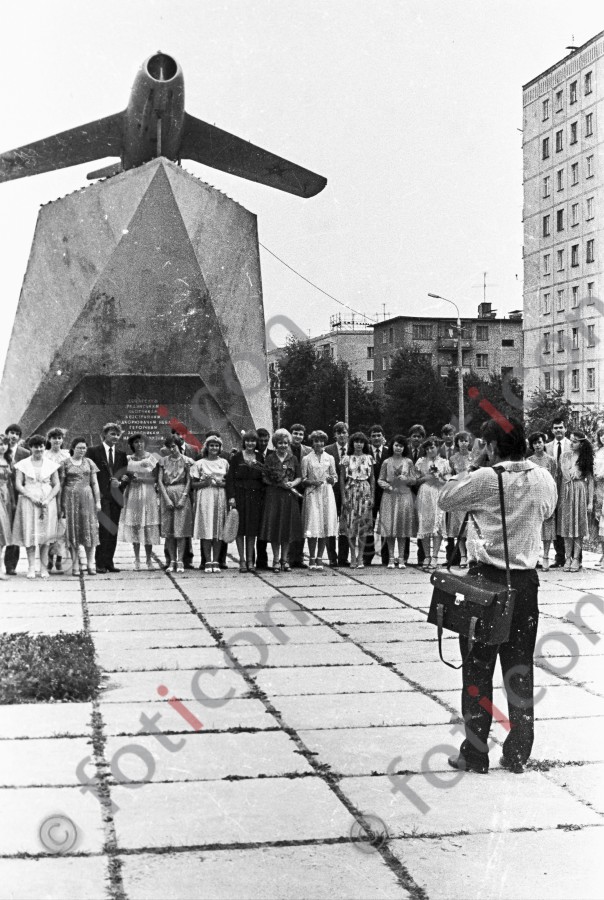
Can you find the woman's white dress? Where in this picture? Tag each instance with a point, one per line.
(211, 503)
(35, 525)
(319, 513)
(431, 518)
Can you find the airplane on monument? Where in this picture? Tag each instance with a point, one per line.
(155, 124)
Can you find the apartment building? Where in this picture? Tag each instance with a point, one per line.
(562, 153)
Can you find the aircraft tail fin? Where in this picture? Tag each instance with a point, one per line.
(213, 147)
(95, 140)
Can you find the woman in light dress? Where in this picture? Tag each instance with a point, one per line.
(176, 514)
(281, 522)
(208, 478)
(577, 497)
(398, 519)
(80, 504)
(599, 491)
(54, 450)
(432, 473)
(37, 485)
(139, 521)
(319, 513)
(460, 461)
(537, 442)
(7, 499)
(357, 489)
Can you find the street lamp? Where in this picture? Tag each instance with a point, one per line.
(460, 402)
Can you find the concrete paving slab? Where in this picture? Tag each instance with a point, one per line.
(277, 656)
(358, 616)
(552, 702)
(461, 801)
(384, 632)
(342, 589)
(24, 812)
(55, 878)
(142, 607)
(125, 641)
(434, 676)
(215, 685)
(51, 610)
(555, 864)
(27, 600)
(586, 670)
(404, 652)
(203, 757)
(226, 812)
(290, 635)
(314, 711)
(265, 873)
(40, 588)
(326, 680)
(146, 660)
(586, 783)
(145, 622)
(251, 619)
(42, 761)
(125, 718)
(45, 720)
(44, 625)
(355, 601)
(587, 613)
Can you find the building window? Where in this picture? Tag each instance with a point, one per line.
(545, 110)
(546, 226)
(547, 381)
(587, 83)
(482, 332)
(590, 250)
(573, 132)
(559, 141)
(574, 380)
(422, 332)
(575, 296)
(589, 124)
(560, 220)
(546, 344)
(369, 352)
(591, 335)
(591, 379)
(545, 148)
(507, 342)
(546, 263)
(369, 374)
(384, 363)
(574, 173)
(546, 304)
(589, 208)
(560, 180)
(482, 360)
(591, 286)
(546, 184)
(574, 255)
(561, 380)
(560, 260)
(589, 166)
(573, 92)
(391, 335)
(575, 344)
(560, 342)
(384, 337)
(574, 214)
(559, 101)
(560, 300)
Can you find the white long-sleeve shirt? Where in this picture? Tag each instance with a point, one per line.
(530, 497)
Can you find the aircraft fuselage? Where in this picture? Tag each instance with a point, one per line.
(155, 116)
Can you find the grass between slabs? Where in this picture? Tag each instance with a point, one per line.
(43, 668)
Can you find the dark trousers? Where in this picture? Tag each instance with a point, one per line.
(453, 555)
(341, 555)
(11, 557)
(516, 657)
(369, 548)
(421, 554)
(108, 524)
(295, 553)
(559, 547)
(261, 554)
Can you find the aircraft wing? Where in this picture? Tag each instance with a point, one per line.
(95, 140)
(213, 147)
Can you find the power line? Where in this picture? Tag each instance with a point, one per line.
(312, 284)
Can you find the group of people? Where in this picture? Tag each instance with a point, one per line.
(337, 496)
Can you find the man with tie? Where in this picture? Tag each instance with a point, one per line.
(379, 450)
(447, 448)
(299, 449)
(262, 448)
(417, 435)
(559, 445)
(338, 450)
(112, 478)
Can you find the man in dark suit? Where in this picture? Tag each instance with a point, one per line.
(338, 450)
(417, 434)
(112, 478)
(18, 451)
(263, 441)
(299, 450)
(379, 450)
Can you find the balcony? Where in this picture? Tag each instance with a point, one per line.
(447, 343)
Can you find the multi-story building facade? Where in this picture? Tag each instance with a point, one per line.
(562, 149)
(489, 344)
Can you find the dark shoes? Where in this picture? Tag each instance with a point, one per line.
(514, 766)
(463, 765)
(102, 570)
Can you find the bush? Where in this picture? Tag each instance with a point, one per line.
(46, 668)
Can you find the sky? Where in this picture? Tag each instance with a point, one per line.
(411, 109)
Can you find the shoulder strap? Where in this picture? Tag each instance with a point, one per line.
(500, 470)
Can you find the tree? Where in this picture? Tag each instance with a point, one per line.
(415, 394)
(313, 388)
(501, 393)
(545, 406)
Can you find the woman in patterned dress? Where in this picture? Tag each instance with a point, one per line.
(577, 490)
(319, 513)
(139, 521)
(460, 461)
(245, 493)
(37, 484)
(208, 476)
(80, 503)
(357, 488)
(398, 519)
(432, 473)
(537, 442)
(176, 514)
(7, 500)
(55, 451)
(281, 520)
(599, 492)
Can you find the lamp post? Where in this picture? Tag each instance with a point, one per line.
(460, 402)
